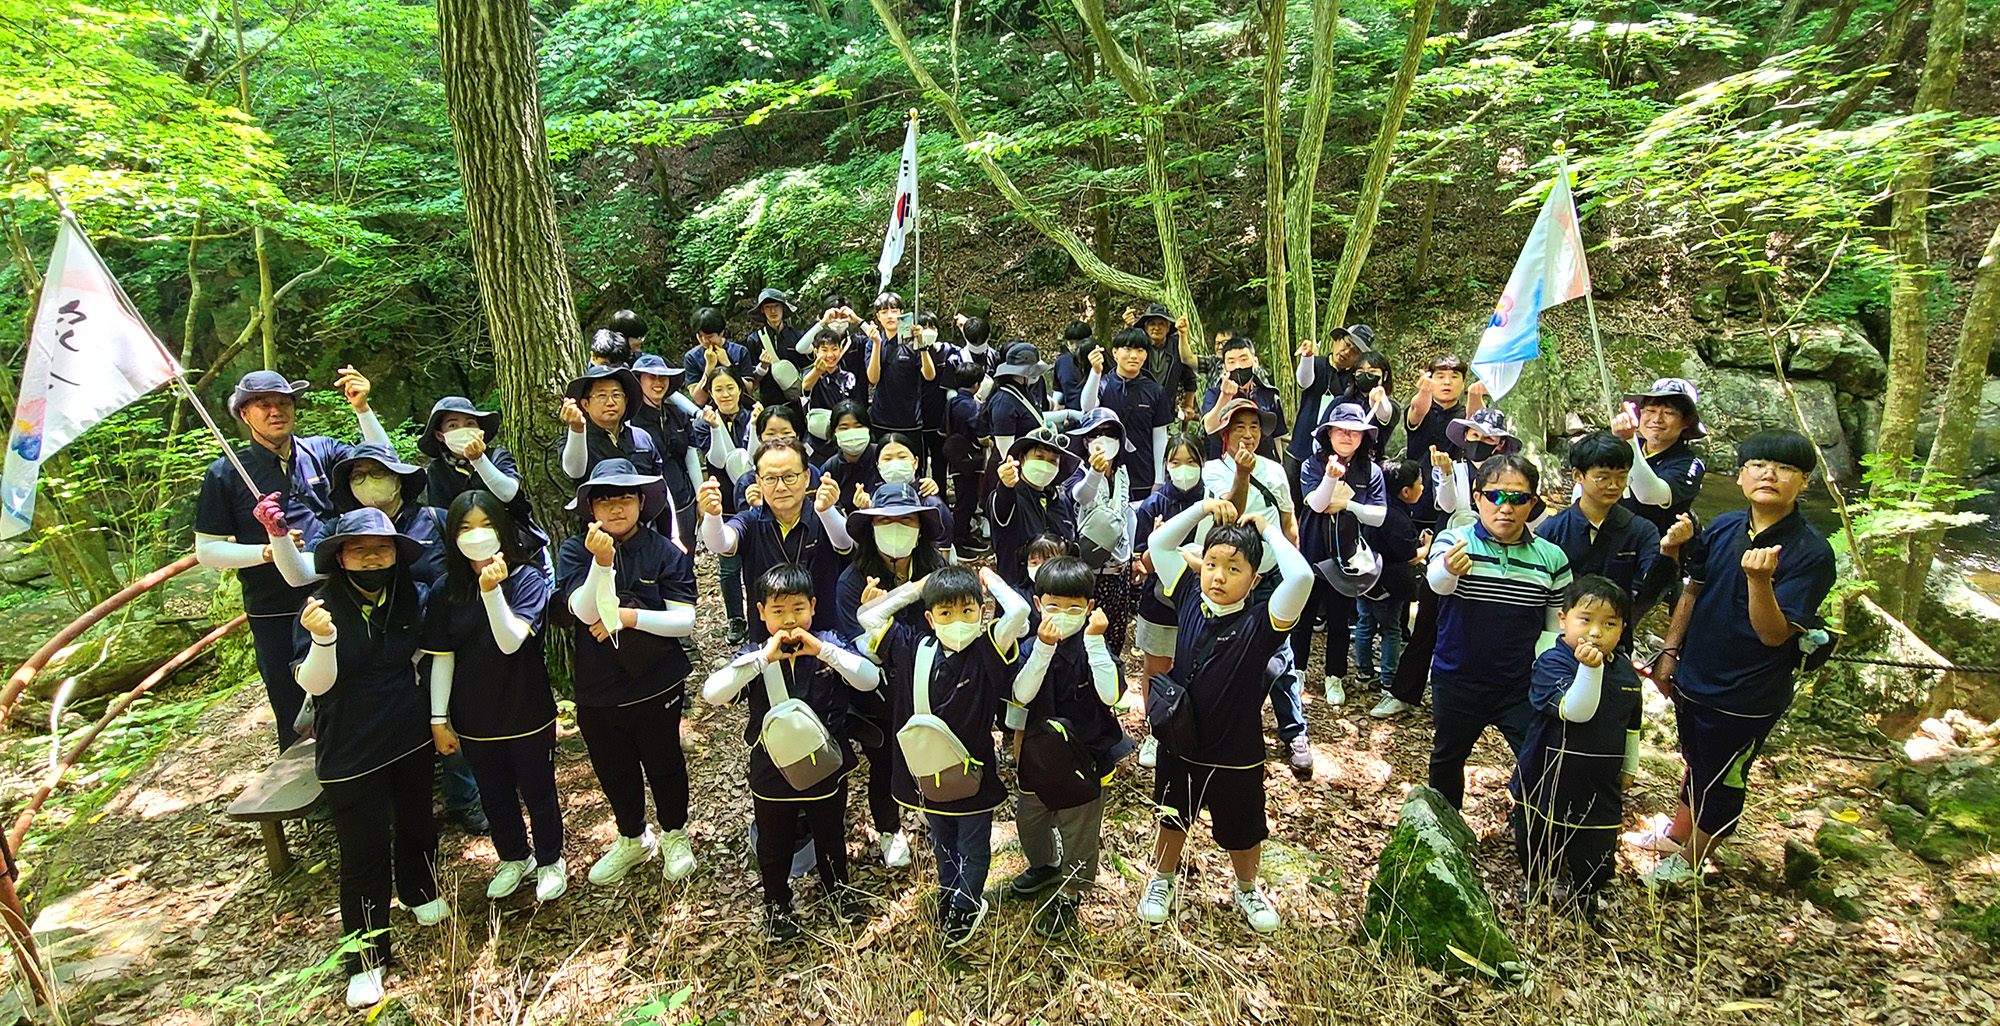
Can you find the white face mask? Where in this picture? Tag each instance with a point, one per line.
(458, 438)
(896, 540)
(1039, 472)
(1217, 609)
(955, 636)
(477, 543)
(1105, 447)
(852, 441)
(1033, 570)
(1184, 475)
(1066, 624)
(378, 492)
(899, 471)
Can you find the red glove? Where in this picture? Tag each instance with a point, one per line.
(271, 514)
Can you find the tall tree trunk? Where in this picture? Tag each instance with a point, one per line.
(1786, 17)
(1893, 43)
(1836, 24)
(1304, 188)
(1360, 231)
(1278, 341)
(1911, 279)
(1953, 441)
(517, 250)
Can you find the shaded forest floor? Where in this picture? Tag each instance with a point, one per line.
(231, 946)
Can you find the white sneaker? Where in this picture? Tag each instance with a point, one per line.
(432, 912)
(507, 879)
(624, 853)
(551, 882)
(676, 856)
(364, 990)
(1336, 692)
(1158, 899)
(895, 850)
(1149, 752)
(1654, 838)
(1256, 908)
(1389, 706)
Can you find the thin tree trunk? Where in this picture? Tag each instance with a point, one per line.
(517, 249)
(1953, 442)
(1786, 17)
(1361, 230)
(1893, 44)
(1278, 342)
(1304, 305)
(1836, 24)
(188, 323)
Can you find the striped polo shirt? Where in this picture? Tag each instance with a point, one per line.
(1488, 628)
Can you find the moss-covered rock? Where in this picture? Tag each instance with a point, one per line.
(1426, 898)
(1949, 808)
(1841, 353)
(1848, 843)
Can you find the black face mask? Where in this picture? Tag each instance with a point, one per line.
(1243, 376)
(1478, 452)
(1366, 381)
(372, 580)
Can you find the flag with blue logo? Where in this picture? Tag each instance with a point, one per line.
(1551, 272)
(88, 356)
(902, 212)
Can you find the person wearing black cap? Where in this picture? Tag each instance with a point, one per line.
(489, 688)
(355, 652)
(1014, 408)
(632, 592)
(669, 417)
(1666, 476)
(1140, 404)
(1029, 500)
(775, 341)
(1171, 361)
(713, 349)
(780, 528)
(597, 408)
(293, 476)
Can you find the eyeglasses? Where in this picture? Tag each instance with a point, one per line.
(787, 480)
(1763, 467)
(1503, 498)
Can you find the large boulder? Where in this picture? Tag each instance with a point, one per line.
(1950, 806)
(1738, 403)
(113, 660)
(1983, 456)
(1426, 898)
(1734, 347)
(1840, 353)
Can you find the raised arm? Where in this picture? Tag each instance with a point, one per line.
(509, 630)
(1164, 545)
(857, 670)
(1034, 670)
(1012, 623)
(1579, 703)
(575, 453)
(1104, 674)
(1296, 583)
(722, 686)
(1645, 485)
(227, 553)
(502, 486)
(291, 563)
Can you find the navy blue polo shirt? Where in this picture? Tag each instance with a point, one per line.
(761, 545)
(833, 387)
(1070, 374)
(1488, 628)
(1020, 513)
(426, 524)
(1623, 548)
(967, 690)
(1430, 431)
(817, 685)
(846, 612)
(899, 394)
(1069, 691)
(447, 476)
(1316, 529)
(494, 696)
(377, 710)
(1011, 411)
(742, 360)
(861, 470)
(305, 489)
(633, 665)
(1141, 405)
(962, 434)
(671, 429)
(1313, 403)
(1681, 469)
(1220, 660)
(1569, 771)
(1723, 664)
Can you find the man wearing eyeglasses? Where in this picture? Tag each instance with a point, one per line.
(1756, 578)
(1499, 589)
(779, 531)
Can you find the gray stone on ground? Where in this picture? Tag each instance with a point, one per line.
(1983, 455)
(1426, 898)
(1946, 809)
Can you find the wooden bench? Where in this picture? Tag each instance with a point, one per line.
(284, 791)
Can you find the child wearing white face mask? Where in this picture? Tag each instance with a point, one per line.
(1158, 625)
(946, 685)
(853, 464)
(1026, 500)
(1068, 683)
(1105, 524)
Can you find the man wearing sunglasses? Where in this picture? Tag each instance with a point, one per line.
(1499, 588)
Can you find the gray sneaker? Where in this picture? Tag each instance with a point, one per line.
(1301, 757)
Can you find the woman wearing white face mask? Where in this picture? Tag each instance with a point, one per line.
(853, 464)
(1105, 524)
(489, 689)
(462, 441)
(896, 463)
(1027, 500)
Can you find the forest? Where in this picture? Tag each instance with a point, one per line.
(1790, 204)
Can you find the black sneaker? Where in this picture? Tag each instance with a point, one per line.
(961, 923)
(472, 820)
(850, 907)
(1058, 917)
(1034, 880)
(779, 922)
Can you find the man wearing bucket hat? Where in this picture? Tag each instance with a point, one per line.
(1483, 434)
(775, 341)
(632, 592)
(597, 408)
(1019, 396)
(294, 481)
(1666, 476)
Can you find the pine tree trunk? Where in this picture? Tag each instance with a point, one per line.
(517, 249)
(1304, 306)
(1362, 229)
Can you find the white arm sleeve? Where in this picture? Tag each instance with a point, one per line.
(1012, 623)
(687, 405)
(319, 670)
(1087, 487)
(805, 343)
(1441, 579)
(1304, 375)
(509, 631)
(1289, 599)
(1160, 455)
(854, 668)
(1002, 444)
(835, 523)
(718, 536)
(1164, 545)
(720, 446)
(503, 487)
(1370, 515)
(1645, 485)
(1383, 411)
(876, 615)
(575, 454)
(583, 601)
(224, 554)
(1103, 668)
(1579, 703)
(291, 563)
(442, 664)
(371, 429)
(675, 621)
(1088, 400)
(693, 460)
(1322, 494)
(1034, 669)
(722, 685)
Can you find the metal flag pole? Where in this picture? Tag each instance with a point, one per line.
(1589, 305)
(916, 228)
(131, 310)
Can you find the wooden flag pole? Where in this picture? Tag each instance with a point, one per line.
(1590, 306)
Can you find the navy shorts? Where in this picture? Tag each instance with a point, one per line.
(1718, 748)
(1234, 799)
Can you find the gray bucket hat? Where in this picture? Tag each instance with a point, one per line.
(1023, 360)
(366, 522)
(1680, 391)
(896, 499)
(621, 474)
(776, 296)
(433, 446)
(263, 382)
(1489, 422)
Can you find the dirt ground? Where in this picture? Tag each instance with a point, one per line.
(1744, 949)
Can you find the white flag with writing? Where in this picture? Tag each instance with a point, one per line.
(87, 358)
(903, 212)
